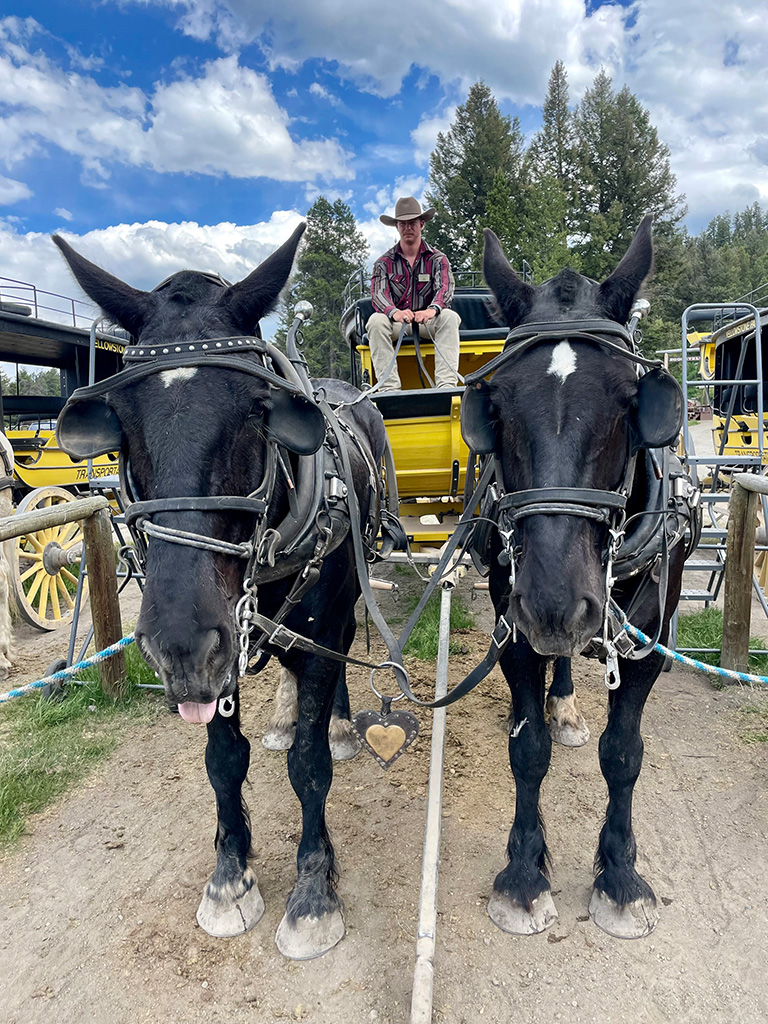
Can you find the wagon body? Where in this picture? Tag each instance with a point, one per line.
(45, 565)
(735, 358)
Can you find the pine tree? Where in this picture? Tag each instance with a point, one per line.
(552, 153)
(333, 250)
(481, 144)
(623, 173)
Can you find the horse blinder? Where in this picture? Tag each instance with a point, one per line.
(295, 422)
(88, 427)
(477, 423)
(657, 414)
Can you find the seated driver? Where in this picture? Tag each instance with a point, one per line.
(412, 283)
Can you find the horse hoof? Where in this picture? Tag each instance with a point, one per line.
(633, 921)
(568, 735)
(342, 740)
(308, 937)
(225, 916)
(514, 918)
(278, 739)
(344, 748)
(566, 724)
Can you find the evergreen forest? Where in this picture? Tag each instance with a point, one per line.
(572, 195)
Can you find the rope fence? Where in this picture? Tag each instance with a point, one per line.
(66, 673)
(108, 652)
(682, 659)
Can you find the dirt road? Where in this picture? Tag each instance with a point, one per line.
(97, 907)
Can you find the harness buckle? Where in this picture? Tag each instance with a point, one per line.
(283, 638)
(624, 644)
(509, 631)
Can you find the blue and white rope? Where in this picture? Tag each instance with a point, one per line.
(682, 659)
(65, 673)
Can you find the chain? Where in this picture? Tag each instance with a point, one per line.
(244, 613)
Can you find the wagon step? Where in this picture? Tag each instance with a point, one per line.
(696, 595)
(705, 566)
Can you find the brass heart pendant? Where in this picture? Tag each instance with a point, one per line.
(385, 736)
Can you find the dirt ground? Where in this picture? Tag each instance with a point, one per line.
(97, 906)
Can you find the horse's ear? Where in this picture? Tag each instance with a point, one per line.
(256, 295)
(127, 306)
(513, 295)
(618, 292)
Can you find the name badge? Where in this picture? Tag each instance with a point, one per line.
(423, 278)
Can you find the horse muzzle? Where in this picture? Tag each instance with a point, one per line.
(557, 630)
(198, 670)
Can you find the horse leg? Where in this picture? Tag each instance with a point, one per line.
(623, 904)
(312, 923)
(231, 902)
(344, 743)
(282, 724)
(566, 724)
(521, 902)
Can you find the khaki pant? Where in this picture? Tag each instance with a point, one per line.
(442, 329)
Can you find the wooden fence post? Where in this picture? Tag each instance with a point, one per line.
(105, 606)
(739, 561)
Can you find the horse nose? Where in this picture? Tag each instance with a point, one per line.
(557, 629)
(192, 668)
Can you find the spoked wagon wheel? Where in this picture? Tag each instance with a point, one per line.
(45, 564)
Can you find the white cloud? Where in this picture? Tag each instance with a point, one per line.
(144, 254)
(511, 45)
(697, 65)
(11, 191)
(424, 136)
(700, 70)
(65, 214)
(322, 93)
(224, 122)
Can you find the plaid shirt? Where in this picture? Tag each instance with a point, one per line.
(397, 285)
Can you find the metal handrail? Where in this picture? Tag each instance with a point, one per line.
(38, 298)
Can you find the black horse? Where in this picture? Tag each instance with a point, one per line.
(589, 527)
(215, 434)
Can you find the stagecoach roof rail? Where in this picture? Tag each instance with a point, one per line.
(74, 312)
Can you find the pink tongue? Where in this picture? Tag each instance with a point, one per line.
(197, 713)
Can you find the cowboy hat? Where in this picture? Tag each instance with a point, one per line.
(407, 208)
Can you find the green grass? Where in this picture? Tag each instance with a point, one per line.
(48, 746)
(423, 641)
(758, 723)
(705, 629)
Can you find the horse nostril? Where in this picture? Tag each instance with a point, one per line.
(585, 616)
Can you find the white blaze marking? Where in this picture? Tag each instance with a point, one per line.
(183, 373)
(563, 361)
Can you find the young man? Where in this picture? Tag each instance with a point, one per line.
(412, 283)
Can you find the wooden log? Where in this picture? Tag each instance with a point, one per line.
(739, 556)
(105, 606)
(45, 518)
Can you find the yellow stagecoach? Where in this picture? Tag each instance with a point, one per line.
(733, 363)
(45, 564)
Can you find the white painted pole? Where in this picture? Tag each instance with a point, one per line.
(424, 971)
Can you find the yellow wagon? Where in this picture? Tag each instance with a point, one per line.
(45, 564)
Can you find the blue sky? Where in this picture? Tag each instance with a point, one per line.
(166, 133)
